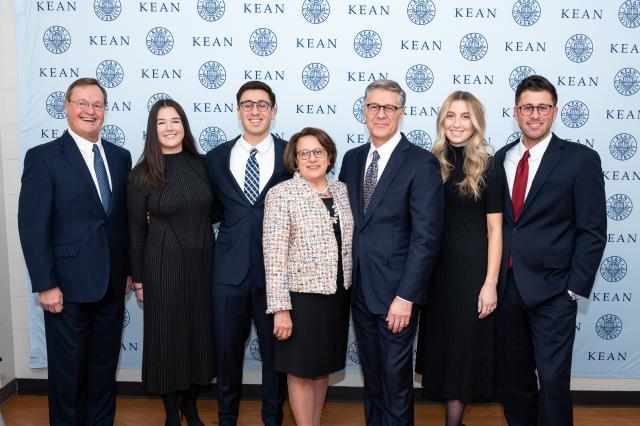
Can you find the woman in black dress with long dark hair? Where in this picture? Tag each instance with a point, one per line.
(171, 245)
(455, 341)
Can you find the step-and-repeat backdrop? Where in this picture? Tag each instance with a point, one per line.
(319, 55)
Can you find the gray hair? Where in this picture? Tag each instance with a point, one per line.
(389, 85)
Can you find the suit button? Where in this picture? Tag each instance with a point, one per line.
(515, 230)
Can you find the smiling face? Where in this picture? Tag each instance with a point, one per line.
(255, 124)
(457, 124)
(312, 169)
(85, 122)
(382, 126)
(170, 130)
(535, 127)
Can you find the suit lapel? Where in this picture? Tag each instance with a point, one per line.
(79, 166)
(361, 161)
(228, 146)
(501, 157)
(549, 160)
(278, 167)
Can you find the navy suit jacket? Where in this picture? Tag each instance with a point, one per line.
(396, 242)
(68, 240)
(560, 236)
(239, 242)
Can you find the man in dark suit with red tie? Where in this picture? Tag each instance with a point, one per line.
(554, 234)
(73, 229)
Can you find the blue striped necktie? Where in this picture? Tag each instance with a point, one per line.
(252, 177)
(102, 178)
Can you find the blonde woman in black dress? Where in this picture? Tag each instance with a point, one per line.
(455, 341)
(171, 261)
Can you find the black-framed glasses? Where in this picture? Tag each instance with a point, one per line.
(85, 105)
(543, 109)
(247, 106)
(305, 154)
(375, 108)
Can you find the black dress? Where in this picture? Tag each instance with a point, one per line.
(455, 347)
(172, 256)
(318, 344)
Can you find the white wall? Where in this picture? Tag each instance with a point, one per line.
(14, 337)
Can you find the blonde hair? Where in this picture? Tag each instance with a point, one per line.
(476, 151)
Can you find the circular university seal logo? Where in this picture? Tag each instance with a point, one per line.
(629, 13)
(315, 76)
(608, 327)
(263, 42)
(578, 48)
(211, 137)
(367, 43)
(623, 146)
(513, 138)
(57, 39)
(420, 138)
(613, 269)
(421, 12)
(352, 353)
(518, 74)
(210, 10)
(55, 105)
(127, 318)
(473, 46)
(358, 109)
(526, 12)
(574, 114)
(113, 134)
(109, 73)
(159, 41)
(627, 81)
(254, 349)
(107, 10)
(212, 75)
(619, 207)
(419, 78)
(316, 11)
(155, 98)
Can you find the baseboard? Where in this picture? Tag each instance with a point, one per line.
(8, 391)
(334, 394)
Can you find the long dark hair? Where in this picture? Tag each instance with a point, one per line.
(149, 169)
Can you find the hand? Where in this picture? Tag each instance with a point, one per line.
(399, 315)
(282, 326)
(137, 287)
(487, 300)
(127, 288)
(51, 300)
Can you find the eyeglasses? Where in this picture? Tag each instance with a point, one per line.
(82, 104)
(543, 109)
(388, 109)
(305, 154)
(247, 106)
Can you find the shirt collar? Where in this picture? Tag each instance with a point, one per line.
(537, 151)
(84, 144)
(387, 148)
(262, 147)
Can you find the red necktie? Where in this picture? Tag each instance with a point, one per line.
(519, 188)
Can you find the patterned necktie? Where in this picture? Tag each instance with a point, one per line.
(102, 178)
(370, 180)
(252, 177)
(519, 189)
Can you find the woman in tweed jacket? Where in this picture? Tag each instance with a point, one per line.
(308, 229)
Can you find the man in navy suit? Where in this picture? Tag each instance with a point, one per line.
(554, 235)
(242, 170)
(396, 194)
(73, 229)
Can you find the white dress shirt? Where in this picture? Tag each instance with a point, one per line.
(384, 152)
(535, 156)
(265, 157)
(86, 149)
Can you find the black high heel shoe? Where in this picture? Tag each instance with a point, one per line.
(189, 407)
(171, 408)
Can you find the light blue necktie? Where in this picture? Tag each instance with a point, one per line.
(103, 179)
(252, 177)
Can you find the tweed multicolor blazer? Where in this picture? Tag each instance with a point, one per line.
(300, 248)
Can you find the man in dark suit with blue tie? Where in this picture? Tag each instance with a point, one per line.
(554, 234)
(73, 229)
(242, 170)
(396, 194)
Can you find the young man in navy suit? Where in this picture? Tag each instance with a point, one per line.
(396, 194)
(242, 170)
(73, 229)
(554, 234)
